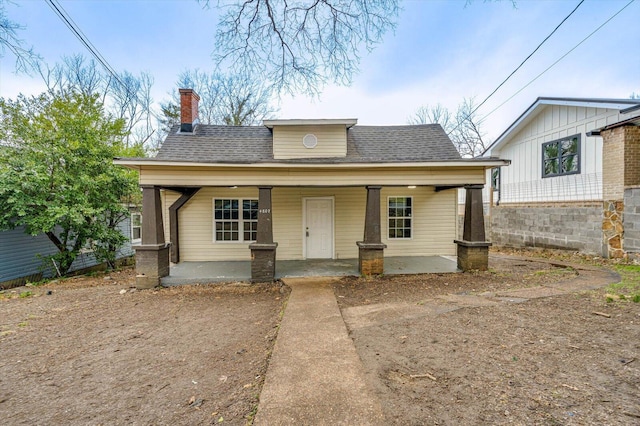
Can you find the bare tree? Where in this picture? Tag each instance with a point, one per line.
(232, 100)
(437, 114)
(464, 128)
(124, 95)
(26, 58)
(299, 46)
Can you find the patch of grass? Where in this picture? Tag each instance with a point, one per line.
(25, 294)
(628, 289)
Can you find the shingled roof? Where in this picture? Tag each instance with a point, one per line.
(254, 144)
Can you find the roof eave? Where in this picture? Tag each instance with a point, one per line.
(585, 102)
(136, 163)
(347, 122)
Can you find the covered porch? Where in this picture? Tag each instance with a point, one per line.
(240, 271)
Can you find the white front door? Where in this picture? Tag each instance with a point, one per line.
(318, 232)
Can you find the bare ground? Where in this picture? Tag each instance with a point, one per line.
(90, 353)
(545, 361)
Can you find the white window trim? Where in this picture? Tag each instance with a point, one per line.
(136, 240)
(412, 217)
(240, 221)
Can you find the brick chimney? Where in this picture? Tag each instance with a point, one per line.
(188, 109)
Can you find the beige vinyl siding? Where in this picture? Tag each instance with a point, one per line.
(287, 141)
(196, 227)
(434, 222)
(349, 210)
(167, 198)
(303, 177)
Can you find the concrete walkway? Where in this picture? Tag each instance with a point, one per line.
(315, 375)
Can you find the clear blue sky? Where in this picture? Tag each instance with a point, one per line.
(441, 52)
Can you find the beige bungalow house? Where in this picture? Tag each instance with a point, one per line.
(305, 189)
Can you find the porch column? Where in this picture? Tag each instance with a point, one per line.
(263, 251)
(152, 256)
(473, 249)
(371, 250)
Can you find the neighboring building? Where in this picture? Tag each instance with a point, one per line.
(22, 256)
(552, 194)
(304, 189)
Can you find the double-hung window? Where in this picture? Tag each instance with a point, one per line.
(235, 219)
(136, 227)
(561, 157)
(400, 217)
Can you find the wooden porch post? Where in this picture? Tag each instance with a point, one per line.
(473, 249)
(371, 250)
(263, 251)
(152, 256)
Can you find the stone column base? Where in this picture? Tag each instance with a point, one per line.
(152, 263)
(473, 255)
(263, 262)
(371, 258)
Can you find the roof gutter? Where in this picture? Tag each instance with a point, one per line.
(630, 121)
(488, 163)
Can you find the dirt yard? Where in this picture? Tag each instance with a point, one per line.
(94, 351)
(545, 361)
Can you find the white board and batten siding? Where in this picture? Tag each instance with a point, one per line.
(287, 142)
(434, 222)
(523, 181)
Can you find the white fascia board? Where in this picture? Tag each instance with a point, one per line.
(488, 163)
(347, 122)
(618, 104)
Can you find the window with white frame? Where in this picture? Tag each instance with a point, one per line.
(136, 227)
(495, 178)
(561, 157)
(400, 217)
(235, 219)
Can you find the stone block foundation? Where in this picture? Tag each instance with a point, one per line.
(371, 259)
(263, 262)
(152, 263)
(473, 255)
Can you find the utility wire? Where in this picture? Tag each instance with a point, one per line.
(63, 15)
(527, 58)
(75, 29)
(559, 59)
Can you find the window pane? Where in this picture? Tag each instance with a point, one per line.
(570, 146)
(570, 164)
(550, 151)
(392, 233)
(218, 236)
(407, 233)
(551, 167)
(136, 234)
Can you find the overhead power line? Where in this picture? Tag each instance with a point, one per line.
(68, 21)
(75, 29)
(527, 58)
(559, 59)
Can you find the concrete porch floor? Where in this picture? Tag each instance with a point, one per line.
(231, 271)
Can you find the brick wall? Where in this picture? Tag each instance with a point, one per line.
(562, 227)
